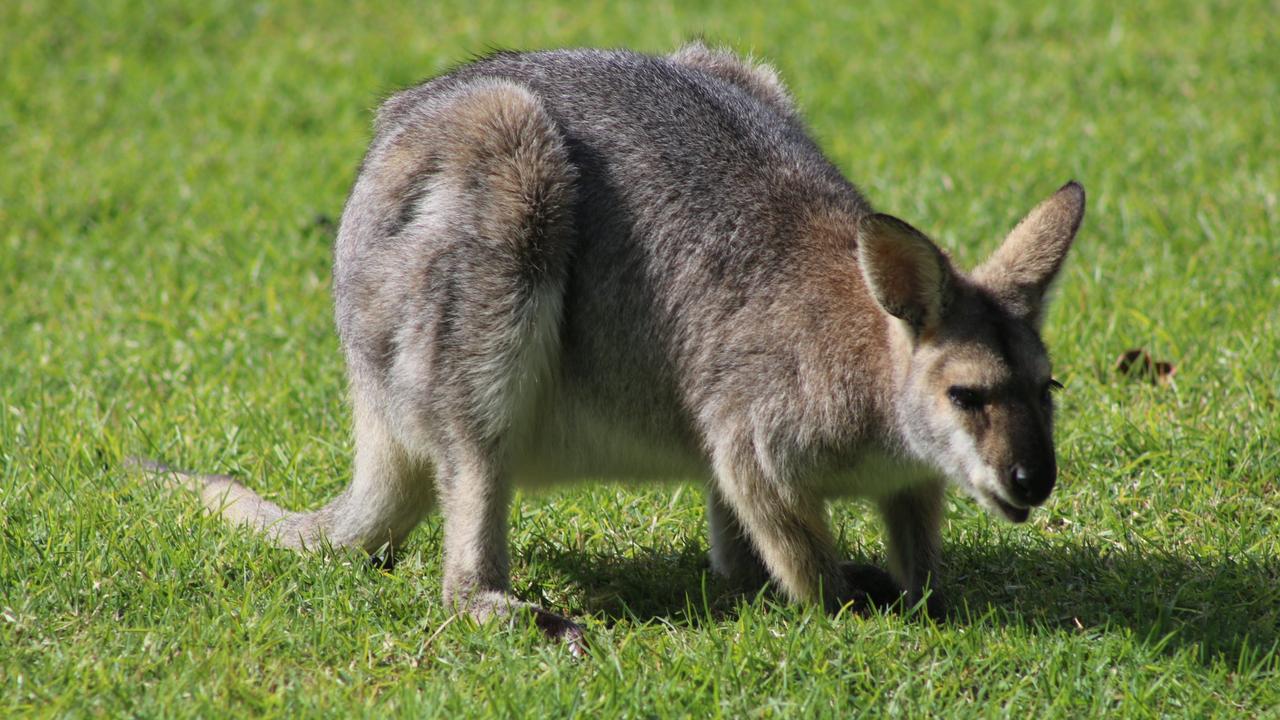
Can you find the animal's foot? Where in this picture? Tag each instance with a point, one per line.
(740, 570)
(561, 629)
(935, 605)
(486, 605)
(868, 587)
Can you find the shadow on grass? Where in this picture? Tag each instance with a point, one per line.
(1223, 607)
(674, 585)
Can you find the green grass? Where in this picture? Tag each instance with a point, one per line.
(169, 176)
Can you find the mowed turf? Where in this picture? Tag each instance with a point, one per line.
(170, 178)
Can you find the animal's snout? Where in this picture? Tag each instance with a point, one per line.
(1031, 484)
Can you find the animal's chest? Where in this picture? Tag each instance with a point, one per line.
(874, 474)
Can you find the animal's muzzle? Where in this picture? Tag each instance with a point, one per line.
(1031, 485)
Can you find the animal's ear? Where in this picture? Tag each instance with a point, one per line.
(1024, 267)
(906, 273)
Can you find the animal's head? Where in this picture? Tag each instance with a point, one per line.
(976, 399)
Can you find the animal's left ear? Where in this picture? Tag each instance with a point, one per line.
(905, 272)
(1021, 271)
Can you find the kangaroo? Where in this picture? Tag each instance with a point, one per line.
(601, 264)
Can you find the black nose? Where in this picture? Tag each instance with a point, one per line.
(1031, 486)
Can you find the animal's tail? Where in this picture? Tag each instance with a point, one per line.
(387, 497)
(223, 495)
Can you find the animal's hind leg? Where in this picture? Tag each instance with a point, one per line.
(490, 236)
(732, 554)
(390, 492)
(475, 497)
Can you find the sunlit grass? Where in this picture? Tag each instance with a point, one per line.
(169, 178)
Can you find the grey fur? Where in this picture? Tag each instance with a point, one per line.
(581, 264)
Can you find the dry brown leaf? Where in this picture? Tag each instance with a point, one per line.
(1137, 364)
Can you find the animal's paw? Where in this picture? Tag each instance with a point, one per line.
(741, 570)
(561, 629)
(935, 605)
(867, 587)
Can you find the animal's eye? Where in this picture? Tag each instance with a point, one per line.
(1046, 392)
(965, 398)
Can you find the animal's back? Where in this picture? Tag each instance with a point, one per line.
(691, 189)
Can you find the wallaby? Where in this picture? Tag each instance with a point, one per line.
(602, 264)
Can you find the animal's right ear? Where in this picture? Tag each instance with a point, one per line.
(1021, 271)
(906, 273)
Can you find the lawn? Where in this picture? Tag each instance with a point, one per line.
(170, 178)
